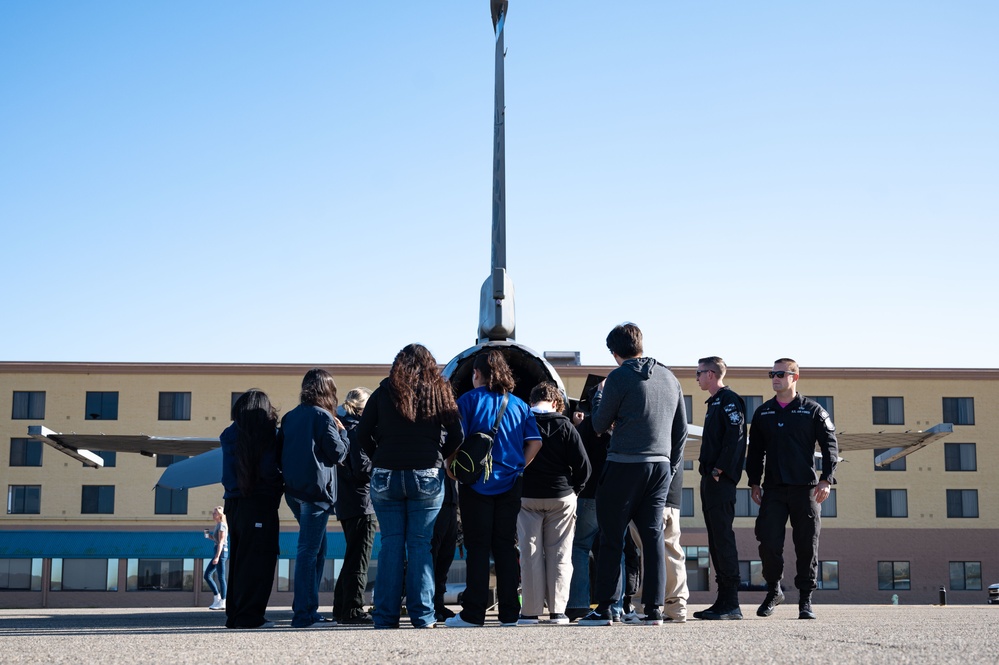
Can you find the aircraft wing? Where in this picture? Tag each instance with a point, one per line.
(899, 444)
(80, 446)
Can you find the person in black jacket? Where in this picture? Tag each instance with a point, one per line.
(781, 453)
(546, 522)
(409, 426)
(723, 454)
(356, 516)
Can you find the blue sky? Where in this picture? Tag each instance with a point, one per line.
(310, 181)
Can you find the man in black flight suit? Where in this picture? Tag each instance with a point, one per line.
(723, 453)
(782, 439)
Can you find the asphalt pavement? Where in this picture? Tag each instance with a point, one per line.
(842, 634)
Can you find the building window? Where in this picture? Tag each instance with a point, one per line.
(966, 575)
(688, 406)
(828, 574)
(110, 457)
(167, 460)
(101, 406)
(688, 465)
(160, 575)
(175, 406)
(24, 499)
(960, 457)
(25, 452)
(171, 502)
(697, 567)
(959, 410)
(21, 574)
(826, 403)
(828, 507)
(753, 402)
(891, 503)
(962, 503)
(28, 405)
(897, 465)
(751, 576)
(84, 575)
(232, 402)
(744, 504)
(97, 499)
(687, 502)
(888, 410)
(893, 575)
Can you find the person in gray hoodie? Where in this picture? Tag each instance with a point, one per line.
(643, 403)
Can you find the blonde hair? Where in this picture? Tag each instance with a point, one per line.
(356, 400)
(221, 511)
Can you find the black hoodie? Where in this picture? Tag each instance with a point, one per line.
(561, 466)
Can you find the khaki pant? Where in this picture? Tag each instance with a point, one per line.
(545, 529)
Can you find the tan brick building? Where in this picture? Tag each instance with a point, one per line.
(75, 536)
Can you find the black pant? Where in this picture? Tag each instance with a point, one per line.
(490, 526)
(632, 566)
(779, 503)
(442, 545)
(632, 493)
(348, 594)
(718, 504)
(253, 553)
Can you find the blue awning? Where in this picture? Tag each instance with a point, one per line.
(16, 544)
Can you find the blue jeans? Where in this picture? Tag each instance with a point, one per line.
(309, 561)
(406, 503)
(219, 569)
(582, 544)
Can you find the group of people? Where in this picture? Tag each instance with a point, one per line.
(558, 487)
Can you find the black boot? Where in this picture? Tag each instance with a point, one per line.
(805, 606)
(774, 598)
(727, 607)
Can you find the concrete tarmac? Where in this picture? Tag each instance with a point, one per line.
(961, 634)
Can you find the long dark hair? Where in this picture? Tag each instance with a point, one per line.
(418, 390)
(256, 424)
(495, 372)
(319, 389)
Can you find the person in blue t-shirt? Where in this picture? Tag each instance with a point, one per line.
(489, 508)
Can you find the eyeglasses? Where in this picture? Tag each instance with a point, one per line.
(779, 375)
(698, 373)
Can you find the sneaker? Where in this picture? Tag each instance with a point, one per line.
(723, 614)
(558, 618)
(526, 620)
(597, 618)
(457, 622)
(217, 605)
(774, 598)
(632, 618)
(616, 616)
(426, 625)
(364, 619)
(444, 615)
(700, 613)
(679, 618)
(805, 607)
(575, 613)
(653, 617)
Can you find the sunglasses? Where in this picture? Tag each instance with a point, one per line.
(698, 373)
(779, 375)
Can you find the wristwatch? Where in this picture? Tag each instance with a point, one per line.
(715, 473)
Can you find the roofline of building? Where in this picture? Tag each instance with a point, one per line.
(293, 369)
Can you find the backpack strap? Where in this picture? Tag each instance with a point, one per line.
(499, 416)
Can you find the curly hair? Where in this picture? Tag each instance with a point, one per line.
(256, 423)
(546, 391)
(495, 372)
(319, 389)
(418, 390)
